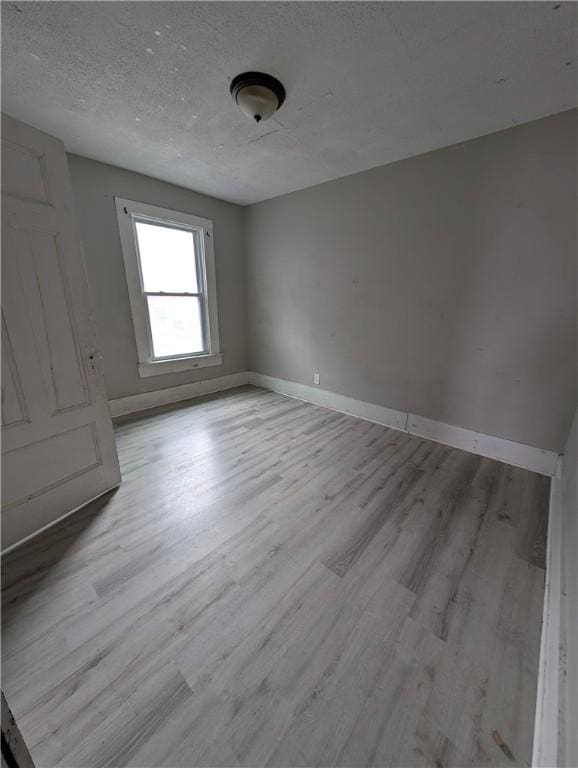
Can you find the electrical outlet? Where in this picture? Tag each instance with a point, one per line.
(316, 378)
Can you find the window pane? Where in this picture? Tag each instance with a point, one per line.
(176, 325)
(167, 258)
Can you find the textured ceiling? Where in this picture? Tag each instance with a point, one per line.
(144, 85)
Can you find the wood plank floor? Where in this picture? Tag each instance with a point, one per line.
(278, 584)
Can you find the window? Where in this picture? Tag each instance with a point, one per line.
(170, 270)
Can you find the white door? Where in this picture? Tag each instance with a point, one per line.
(58, 449)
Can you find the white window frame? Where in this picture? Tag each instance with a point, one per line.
(128, 213)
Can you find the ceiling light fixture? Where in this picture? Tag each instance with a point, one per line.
(257, 95)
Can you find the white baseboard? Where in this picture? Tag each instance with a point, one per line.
(555, 733)
(122, 406)
(517, 454)
(546, 736)
(376, 413)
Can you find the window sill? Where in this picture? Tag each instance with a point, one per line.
(179, 364)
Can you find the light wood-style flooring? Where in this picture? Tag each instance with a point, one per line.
(279, 584)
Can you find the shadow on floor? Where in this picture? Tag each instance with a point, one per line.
(46, 551)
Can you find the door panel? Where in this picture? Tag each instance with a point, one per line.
(58, 448)
(14, 409)
(47, 292)
(24, 173)
(79, 445)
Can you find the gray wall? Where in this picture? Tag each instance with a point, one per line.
(95, 185)
(444, 285)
